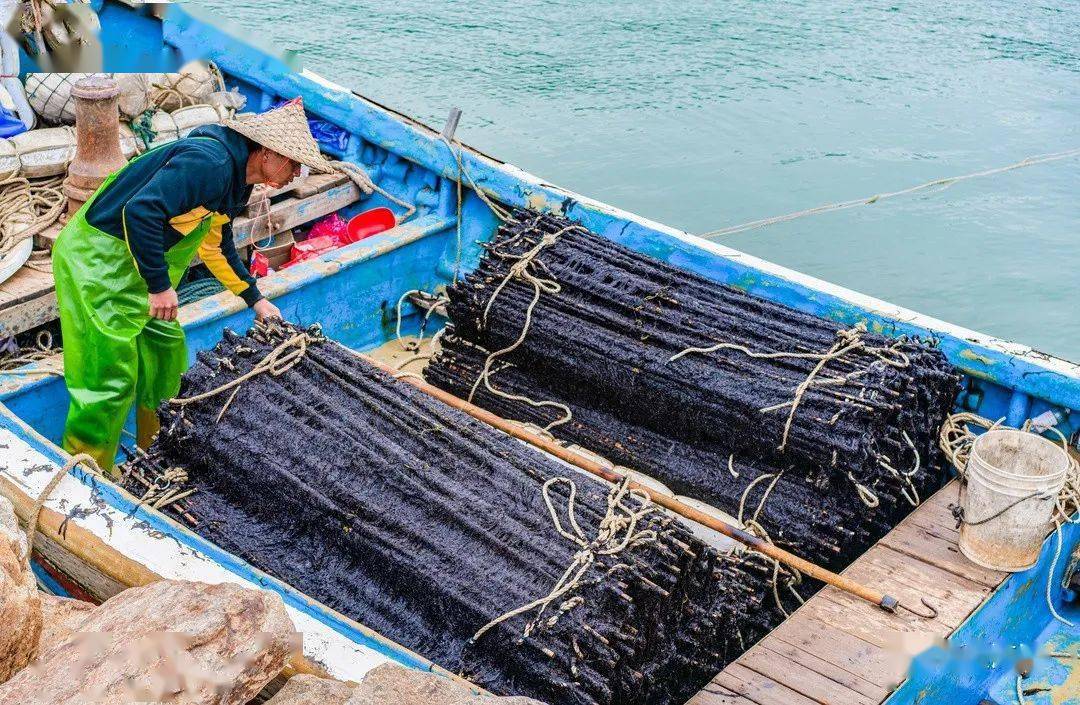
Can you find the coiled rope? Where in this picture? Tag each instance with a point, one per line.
(943, 183)
(14, 362)
(27, 207)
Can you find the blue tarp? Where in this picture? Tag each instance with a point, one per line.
(10, 124)
(327, 134)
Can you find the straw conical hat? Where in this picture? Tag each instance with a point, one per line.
(283, 130)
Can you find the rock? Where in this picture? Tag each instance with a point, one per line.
(391, 684)
(20, 606)
(310, 690)
(61, 617)
(185, 643)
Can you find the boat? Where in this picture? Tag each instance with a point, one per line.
(95, 539)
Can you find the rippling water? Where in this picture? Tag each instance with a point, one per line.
(710, 113)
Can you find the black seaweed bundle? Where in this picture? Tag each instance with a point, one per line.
(600, 338)
(425, 525)
(607, 323)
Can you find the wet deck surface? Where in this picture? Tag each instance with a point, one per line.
(839, 650)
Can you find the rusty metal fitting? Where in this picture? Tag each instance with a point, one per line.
(97, 134)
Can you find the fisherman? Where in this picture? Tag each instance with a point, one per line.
(118, 261)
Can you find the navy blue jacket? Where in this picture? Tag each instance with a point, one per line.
(168, 191)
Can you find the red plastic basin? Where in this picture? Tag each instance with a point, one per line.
(372, 222)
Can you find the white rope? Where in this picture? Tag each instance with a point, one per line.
(521, 270)
(755, 527)
(616, 533)
(869, 200)
(847, 340)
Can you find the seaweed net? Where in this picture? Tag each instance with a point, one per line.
(429, 527)
(575, 334)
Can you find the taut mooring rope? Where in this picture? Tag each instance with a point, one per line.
(868, 200)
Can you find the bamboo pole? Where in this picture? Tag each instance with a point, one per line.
(876, 597)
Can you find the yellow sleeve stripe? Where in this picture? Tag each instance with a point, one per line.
(211, 255)
(189, 221)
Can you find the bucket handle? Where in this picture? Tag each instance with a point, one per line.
(958, 511)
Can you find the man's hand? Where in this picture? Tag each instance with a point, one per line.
(164, 305)
(264, 310)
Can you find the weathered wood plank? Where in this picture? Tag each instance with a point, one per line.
(716, 694)
(317, 183)
(756, 688)
(805, 674)
(29, 314)
(27, 300)
(301, 188)
(293, 212)
(908, 580)
(880, 669)
(24, 285)
(937, 546)
(839, 649)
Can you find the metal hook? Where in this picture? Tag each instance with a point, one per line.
(933, 610)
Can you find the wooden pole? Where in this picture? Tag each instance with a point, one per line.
(578, 460)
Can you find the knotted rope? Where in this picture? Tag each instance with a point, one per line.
(847, 341)
(616, 533)
(276, 363)
(522, 269)
(168, 487)
(753, 526)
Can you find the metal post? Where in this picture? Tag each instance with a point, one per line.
(97, 131)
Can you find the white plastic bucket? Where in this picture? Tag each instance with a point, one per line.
(1012, 482)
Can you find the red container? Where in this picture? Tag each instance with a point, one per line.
(309, 249)
(372, 222)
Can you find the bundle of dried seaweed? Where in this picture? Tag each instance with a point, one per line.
(429, 527)
(692, 360)
(815, 514)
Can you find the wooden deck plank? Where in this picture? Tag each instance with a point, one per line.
(880, 670)
(840, 650)
(755, 688)
(716, 694)
(807, 674)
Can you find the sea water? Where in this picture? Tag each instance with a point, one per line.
(706, 114)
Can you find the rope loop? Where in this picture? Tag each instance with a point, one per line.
(39, 503)
(617, 532)
(276, 363)
(523, 269)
